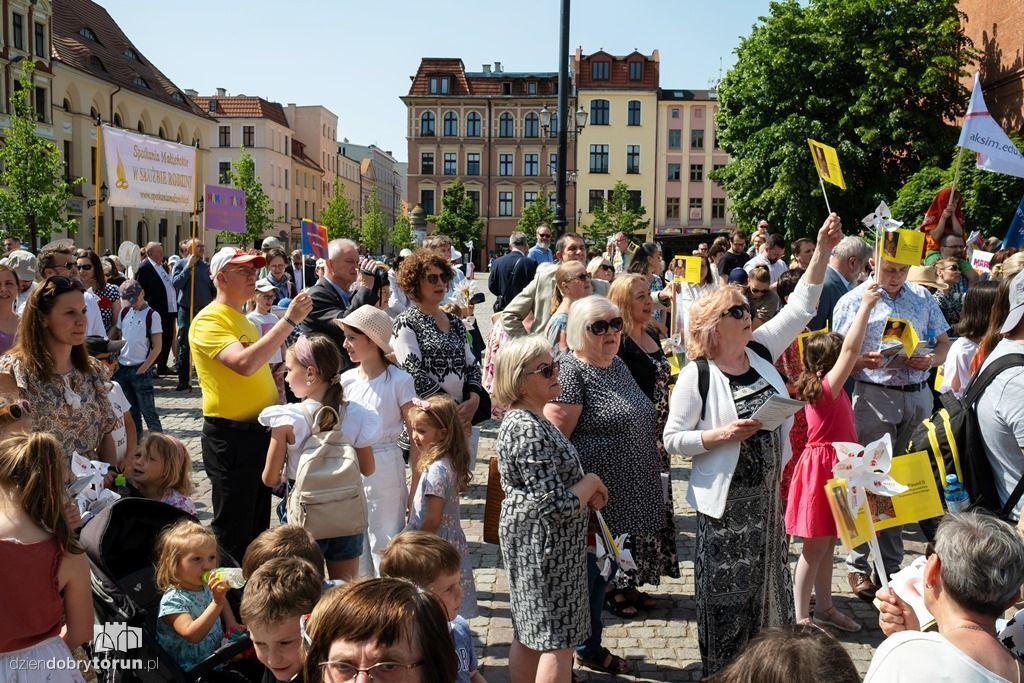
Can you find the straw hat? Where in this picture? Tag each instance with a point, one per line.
(926, 277)
(374, 323)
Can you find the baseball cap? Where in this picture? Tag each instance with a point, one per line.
(1016, 304)
(263, 285)
(23, 263)
(233, 256)
(271, 243)
(130, 290)
(405, 253)
(737, 276)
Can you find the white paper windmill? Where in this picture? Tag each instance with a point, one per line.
(866, 469)
(882, 219)
(608, 550)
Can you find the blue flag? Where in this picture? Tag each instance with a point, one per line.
(1015, 235)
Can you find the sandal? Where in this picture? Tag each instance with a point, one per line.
(836, 619)
(608, 663)
(617, 603)
(641, 600)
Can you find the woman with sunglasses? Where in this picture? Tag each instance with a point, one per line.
(50, 367)
(90, 272)
(600, 268)
(543, 526)
(742, 580)
(572, 283)
(613, 426)
(431, 344)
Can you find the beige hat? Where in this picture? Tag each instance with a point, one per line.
(374, 323)
(23, 263)
(926, 277)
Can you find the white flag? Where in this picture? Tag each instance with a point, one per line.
(981, 133)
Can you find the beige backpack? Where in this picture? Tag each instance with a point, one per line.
(327, 499)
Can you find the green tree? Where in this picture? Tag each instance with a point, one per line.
(878, 81)
(259, 216)
(401, 234)
(34, 191)
(536, 212)
(338, 216)
(458, 218)
(990, 199)
(373, 231)
(617, 214)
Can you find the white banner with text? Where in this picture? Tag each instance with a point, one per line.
(144, 172)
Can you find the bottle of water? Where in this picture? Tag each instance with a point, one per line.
(233, 577)
(955, 494)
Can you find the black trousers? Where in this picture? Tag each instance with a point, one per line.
(233, 455)
(167, 323)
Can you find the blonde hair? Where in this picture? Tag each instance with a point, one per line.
(621, 294)
(175, 542)
(761, 273)
(705, 314)
(510, 366)
(584, 312)
(562, 276)
(443, 414)
(1010, 267)
(177, 466)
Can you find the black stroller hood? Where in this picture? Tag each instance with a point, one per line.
(121, 539)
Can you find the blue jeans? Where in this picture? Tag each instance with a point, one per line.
(596, 586)
(138, 389)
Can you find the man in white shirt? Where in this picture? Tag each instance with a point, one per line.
(161, 295)
(775, 249)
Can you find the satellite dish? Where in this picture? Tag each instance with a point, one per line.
(129, 254)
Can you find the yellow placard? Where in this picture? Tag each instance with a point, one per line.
(803, 337)
(686, 269)
(898, 329)
(826, 162)
(920, 501)
(903, 246)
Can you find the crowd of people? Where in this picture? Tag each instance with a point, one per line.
(344, 398)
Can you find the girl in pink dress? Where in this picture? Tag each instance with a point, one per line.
(828, 362)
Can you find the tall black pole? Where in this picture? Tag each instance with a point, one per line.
(559, 223)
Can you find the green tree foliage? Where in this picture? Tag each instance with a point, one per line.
(536, 212)
(990, 199)
(458, 219)
(259, 216)
(876, 79)
(338, 216)
(617, 214)
(32, 176)
(373, 231)
(401, 234)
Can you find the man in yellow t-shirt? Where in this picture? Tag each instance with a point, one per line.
(231, 361)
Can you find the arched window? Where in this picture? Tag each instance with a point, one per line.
(140, 82)
(160, 134)
(531, 125)
(93, 114)
(141, 126)
(451, 124)
(427, 123)
(473, 125)
(117, 120)
(599, 112)
(67, 105)
(506, 126)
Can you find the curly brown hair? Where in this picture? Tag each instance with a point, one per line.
(414, 269)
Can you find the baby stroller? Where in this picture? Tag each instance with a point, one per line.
(120, 542)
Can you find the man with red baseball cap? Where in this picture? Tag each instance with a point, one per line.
(232, 363)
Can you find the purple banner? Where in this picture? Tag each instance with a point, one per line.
(224, 209)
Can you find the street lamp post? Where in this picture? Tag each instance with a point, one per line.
(563, 176)
(558, 225)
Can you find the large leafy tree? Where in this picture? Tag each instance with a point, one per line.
(259, 215)
(373, 231)
(33, 191)
(534, 214)
(458, 218)
(338, 216)
(401, 234)
(877, 79)
(617, 214)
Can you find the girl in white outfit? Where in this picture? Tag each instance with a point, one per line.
(387, 390)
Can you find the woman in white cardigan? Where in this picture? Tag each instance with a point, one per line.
(741, 574)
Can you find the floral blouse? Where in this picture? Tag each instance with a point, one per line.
(73, 407)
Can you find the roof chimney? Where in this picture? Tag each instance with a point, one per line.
(191, 93)
(222, 92)
(487, 68)
(497, 67)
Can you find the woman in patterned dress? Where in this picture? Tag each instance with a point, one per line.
(613, 426)
(432, 345)
(641, 351)
(543, 517)
(90, 272)
(741, 571)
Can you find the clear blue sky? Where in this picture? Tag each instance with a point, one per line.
(356, 58)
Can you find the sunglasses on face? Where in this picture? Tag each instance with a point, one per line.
(543, 236)
(605, 266)
(582, 277)
(758, 292)
(601, 327)
(434, 278)
(737, 311)
(66, 266)
(85, 266)
(547, 370)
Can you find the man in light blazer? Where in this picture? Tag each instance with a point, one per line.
(536, 296)
(844, 269)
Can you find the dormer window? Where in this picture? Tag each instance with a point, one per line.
(96, 63)
(600, 70)
(87, 32)
(140, 82)
(212, 107)
(131, 54)
(177, 98)
(439, 85)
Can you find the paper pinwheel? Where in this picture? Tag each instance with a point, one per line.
(881, 219)
(866, 469)
(465, 290)
(608, 549)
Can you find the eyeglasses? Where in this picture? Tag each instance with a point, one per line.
(542, 236)
(342, 672)
(65, 266)
(548, 370)
(737, 311)
(582, 277)
(601, 327)
(434, 278)
(958, 247)
(247, 271)
(605, 266)
(85, 266)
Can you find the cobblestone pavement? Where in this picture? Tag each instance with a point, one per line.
(662, 646)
